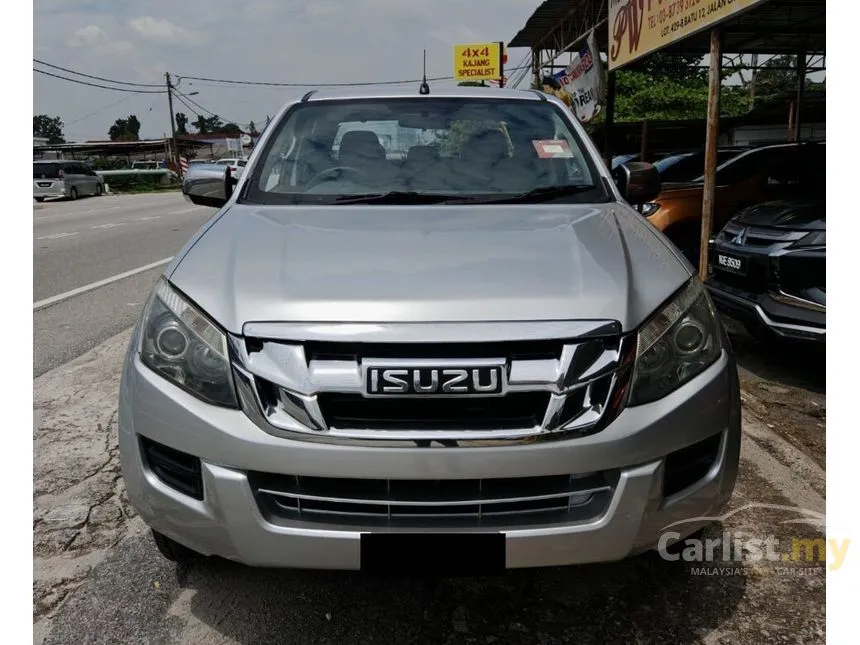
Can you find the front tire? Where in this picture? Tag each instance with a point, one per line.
(172, 550)
(73, 194)
(99, 190)
(40, 199)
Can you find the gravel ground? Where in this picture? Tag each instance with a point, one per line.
(784, 387)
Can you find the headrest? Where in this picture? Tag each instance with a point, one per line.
(487, 146)
(363, 144)
(422, 154)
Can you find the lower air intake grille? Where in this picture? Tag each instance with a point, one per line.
(466, 502)
(689, 465)
(178, 470)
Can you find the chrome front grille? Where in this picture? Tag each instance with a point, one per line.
(757, 236)
(469, 502)
(355, 412)
(316, 388)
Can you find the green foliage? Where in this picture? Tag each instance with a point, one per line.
(48, 127)
(231, 128)
(140, 183)
(641, 96)
(252, 129)
(472, 84)
(208, 125)
(108, 163)
(663, 91)
(127, 129)
(777, 77)
(664, 88)
(681, 68)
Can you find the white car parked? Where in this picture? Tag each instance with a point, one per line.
(236, 165)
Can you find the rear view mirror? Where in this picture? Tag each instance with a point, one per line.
(208, 185)
(638, 182)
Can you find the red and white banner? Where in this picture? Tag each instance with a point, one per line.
(583, 80)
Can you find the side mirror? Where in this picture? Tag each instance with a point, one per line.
(208, 185)
(638, 182)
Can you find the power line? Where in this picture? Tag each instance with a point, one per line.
(353, 84)
(98, 78)
(103, 87)
(182, 96)
(193, 102)
(181, 100)
(521, 71)
(86, 116)
(270, 84)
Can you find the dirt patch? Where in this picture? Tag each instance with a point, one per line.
(80, 510)
(784, 387)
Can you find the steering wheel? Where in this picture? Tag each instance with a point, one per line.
(321, 176)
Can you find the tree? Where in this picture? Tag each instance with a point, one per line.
(201, 124)
(181, 123)
(51, 128)
(641, 96)
(127, 129)
(231, 128)
(252, 129)
(208, 124)
(681, 68)
(775, 78)
(472, 84)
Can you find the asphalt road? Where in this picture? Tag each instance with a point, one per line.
(89, 241)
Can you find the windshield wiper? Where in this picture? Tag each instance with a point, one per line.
(393, 197)
(535, 195)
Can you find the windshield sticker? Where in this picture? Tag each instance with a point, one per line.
(552, 149)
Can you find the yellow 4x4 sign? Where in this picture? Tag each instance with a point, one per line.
(478, 62)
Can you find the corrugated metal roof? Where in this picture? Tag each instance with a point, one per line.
(549, 16)
(114, 147)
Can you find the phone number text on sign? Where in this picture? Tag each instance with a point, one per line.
(674, 9)
(640, 27)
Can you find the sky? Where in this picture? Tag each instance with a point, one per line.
(300, 41)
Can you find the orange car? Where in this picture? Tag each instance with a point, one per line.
(757, 175)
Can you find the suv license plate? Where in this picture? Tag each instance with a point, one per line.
(730, 263)
(433, 553)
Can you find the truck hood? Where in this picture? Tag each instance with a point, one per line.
(808, 214)
(428, 264)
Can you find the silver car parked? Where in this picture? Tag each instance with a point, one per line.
(475, 355)
(69, 179)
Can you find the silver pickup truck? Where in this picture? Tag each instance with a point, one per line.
(471, 356)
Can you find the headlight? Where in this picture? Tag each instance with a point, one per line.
(649, 209)
(185, 347)
(678, 343)
(816, 238)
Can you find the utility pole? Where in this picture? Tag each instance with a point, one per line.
(174, 155)
(501, 64)
(753, 80)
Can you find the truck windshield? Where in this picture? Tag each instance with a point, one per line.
(445, 149)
